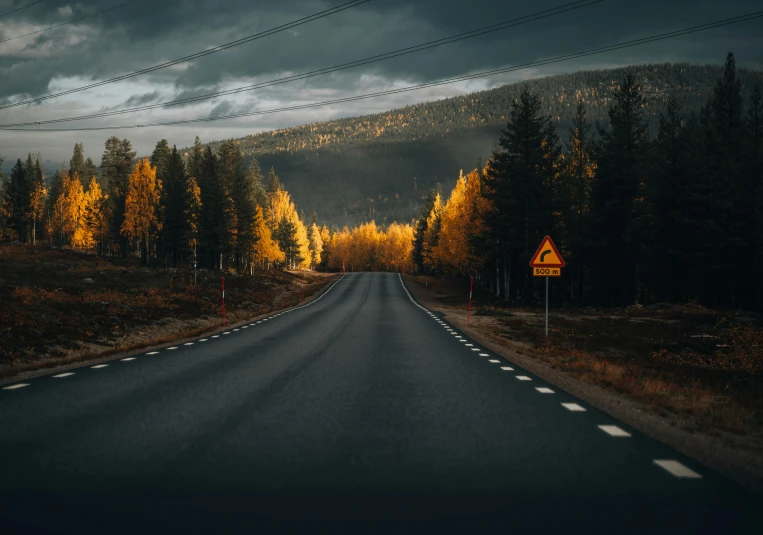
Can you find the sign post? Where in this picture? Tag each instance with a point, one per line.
(547, 262)
(469, 308)
(224, 322)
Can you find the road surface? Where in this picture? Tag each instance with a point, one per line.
(361, 411)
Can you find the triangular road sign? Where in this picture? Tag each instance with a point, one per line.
(547, 255)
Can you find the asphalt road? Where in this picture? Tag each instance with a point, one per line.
(361, 411)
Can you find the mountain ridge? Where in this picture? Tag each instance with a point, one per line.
(389, 160)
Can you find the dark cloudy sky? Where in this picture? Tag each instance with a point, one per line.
(150, 32)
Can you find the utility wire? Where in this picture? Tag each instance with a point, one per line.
(20, 8)
(277, 29)
(380, 57)
(556, 59)
(70, 21)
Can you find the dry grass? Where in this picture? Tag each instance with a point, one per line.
(63, 306)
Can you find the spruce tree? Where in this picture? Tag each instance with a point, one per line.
(77, 164)
(670, 194)
(575, 198)
(17, 201)
(421, 232)
(174, 190)
(616, 197)
(274, 184)
(116, 166)
(729, 195)
(518, 183)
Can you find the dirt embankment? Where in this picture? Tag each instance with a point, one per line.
(61, 307)
(689, 376)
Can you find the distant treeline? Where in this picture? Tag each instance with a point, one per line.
(199, 207)
(638, 218)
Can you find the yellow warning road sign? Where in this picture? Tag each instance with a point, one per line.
(547, 256)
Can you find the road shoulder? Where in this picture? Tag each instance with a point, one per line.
(743, 467)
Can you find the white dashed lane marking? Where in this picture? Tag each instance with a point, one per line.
(458, 337)
(234, 330)
(573, 407)
(495, 361)
(99, 366)
(245, 327)
(188, 344)
(476, 349)
(523, 378)
(259, 321)
(507, 369)
(484, 355)
(469, 345)
(128, 359)
(203, 340)
(216, 336)
(544, 390)
(677, 469)
(153, 353)
(14, 387)
(62, 375)
(614, 431)
(227, 332)
(171, 348)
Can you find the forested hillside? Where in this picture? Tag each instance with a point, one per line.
(381, 166)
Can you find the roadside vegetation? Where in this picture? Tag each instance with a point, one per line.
(61, 306)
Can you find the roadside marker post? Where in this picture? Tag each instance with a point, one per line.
(224, 321)
(469, 308)
(547, 262)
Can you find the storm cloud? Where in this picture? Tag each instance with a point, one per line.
(146, 33)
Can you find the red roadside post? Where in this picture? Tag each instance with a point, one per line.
(224, 322)
(469, 308)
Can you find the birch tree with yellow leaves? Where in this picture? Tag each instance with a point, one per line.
(141, 221)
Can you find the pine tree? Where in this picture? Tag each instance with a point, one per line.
(616, 196)
(236, 179)
(160, 158)
(89, 171)
(174, 181)
(255, 178)
(518, 186)
(17, 202)
(421, 231)
(116, 166)
(274, 185)
(670, 251)
(728, 194)
(77, 164)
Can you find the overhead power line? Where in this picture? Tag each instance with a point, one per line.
(20, 8)
(213, 50)
(380, 57)
(483, 74)
(70, 21)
